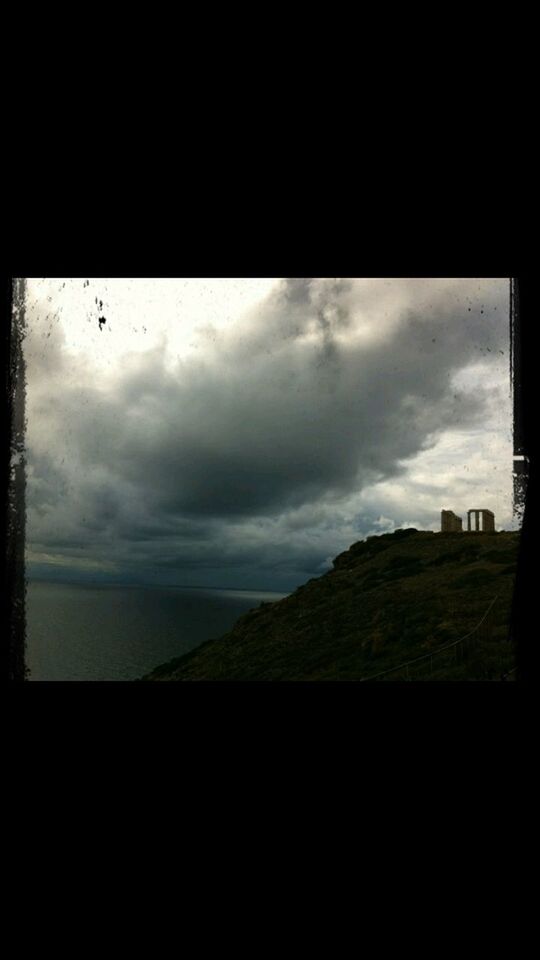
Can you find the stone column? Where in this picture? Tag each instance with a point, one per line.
(489, 521)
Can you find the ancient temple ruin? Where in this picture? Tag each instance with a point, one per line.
(488, 521)
(484, 522)
(450, 523)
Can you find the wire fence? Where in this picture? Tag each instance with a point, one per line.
(459, 649)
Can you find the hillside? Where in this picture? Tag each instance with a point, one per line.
(387, 600)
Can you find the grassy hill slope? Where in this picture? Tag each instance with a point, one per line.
(387, 600)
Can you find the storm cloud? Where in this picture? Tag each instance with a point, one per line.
(272, 442)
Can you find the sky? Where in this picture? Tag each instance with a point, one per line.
(243, 432)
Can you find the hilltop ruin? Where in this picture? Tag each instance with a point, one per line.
(484, 522)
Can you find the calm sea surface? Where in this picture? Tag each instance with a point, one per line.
(93, 632)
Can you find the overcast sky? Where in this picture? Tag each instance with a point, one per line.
(244, 432)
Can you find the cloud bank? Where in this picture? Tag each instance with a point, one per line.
(327, 410)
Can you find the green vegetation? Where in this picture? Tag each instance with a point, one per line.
(388, 600)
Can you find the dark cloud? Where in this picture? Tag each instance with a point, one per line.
(283, 412)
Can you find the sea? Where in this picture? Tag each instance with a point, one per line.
(111, 632)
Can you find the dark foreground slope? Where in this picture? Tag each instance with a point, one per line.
(389, 599)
